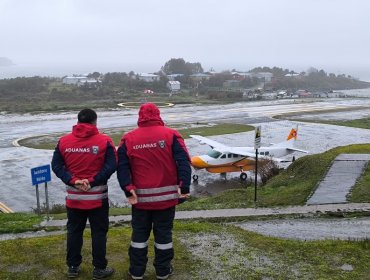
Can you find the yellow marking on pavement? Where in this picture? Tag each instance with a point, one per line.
(5, 209)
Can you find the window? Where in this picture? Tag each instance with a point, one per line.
(213, 154)
(223, 156)
(229, 155)
(235, 156)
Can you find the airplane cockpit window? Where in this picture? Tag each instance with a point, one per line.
(223, 156)
(213, 154)
(267, 153)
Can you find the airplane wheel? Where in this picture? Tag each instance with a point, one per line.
(195, 177)
(243, 176)
(293, 159)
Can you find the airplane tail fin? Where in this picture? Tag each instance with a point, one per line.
(293, 133)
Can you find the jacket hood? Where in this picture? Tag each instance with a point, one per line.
(149, 114)
(84, 130)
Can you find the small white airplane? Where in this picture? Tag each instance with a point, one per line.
(223, 159)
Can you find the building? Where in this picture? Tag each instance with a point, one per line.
(148, 77)
(74, 80)
(267, 76)
(199, 77)
(174, 86)
(172, 77)
(231, 84)
(88, 83)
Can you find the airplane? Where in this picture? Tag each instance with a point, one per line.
(223, 159)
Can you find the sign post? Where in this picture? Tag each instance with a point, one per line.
(257, 145)
(39, 175)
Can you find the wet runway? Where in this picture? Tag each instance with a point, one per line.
(18, 193)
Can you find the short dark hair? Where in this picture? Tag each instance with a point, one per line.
(87, 116)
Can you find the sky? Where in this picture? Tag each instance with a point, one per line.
(141, 35)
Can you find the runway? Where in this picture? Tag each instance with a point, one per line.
(18, 193)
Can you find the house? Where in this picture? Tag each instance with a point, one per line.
(88, 83)
(231, 84)
(174, 86)
(148, 77)
(292, 75)
(199, 77)
(172, 77)
(267, 76)
(74, 80)
(241, 75)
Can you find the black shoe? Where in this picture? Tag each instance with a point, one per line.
(100, 273)
(163, 277)
(73, 271)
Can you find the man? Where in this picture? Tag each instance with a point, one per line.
(84, 160)
(154, 172)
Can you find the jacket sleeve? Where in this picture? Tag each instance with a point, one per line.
(109, 166)
(124, 170)
(58, 167)
(181, 156)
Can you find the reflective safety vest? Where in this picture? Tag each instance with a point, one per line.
(167, 195)
(90, 199)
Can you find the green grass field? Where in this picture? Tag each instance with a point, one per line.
(200, 253)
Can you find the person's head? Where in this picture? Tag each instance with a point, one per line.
(149, 112)
(87, 116)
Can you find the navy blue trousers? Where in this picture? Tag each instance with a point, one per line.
(143, 221)
(99, 223)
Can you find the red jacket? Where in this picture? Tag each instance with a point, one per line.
(85, 153)
(154, 161)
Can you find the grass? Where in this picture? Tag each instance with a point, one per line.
(18, 222)
(291, 187)
(200, 253)
(359, 123)
(50, 141)
(361, 190)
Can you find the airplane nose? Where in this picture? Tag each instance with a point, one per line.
(197, 162)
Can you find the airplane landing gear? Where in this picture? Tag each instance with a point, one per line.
(243, 176)
(293, 159)
(195, 178)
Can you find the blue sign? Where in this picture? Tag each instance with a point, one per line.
(40, 174)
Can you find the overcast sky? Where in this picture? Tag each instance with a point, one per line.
(141, 35)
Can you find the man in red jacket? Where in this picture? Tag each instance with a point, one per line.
(154, 172)
(84, 160)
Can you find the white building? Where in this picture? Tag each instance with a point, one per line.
(174, 86)
(88, 83)
(265, 75)
(172, 77)
(74, 80)
(148, 77)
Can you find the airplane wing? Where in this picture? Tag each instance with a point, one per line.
(212, 143)
(238, 151)
(297, 150)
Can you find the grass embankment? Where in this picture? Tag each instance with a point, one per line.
(18, 222)
(201, 253)
(49, 141)
(291, 187)
(359, 123)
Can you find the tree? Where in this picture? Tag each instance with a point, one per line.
(175, 66)
(179, 66)
(94, 75)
